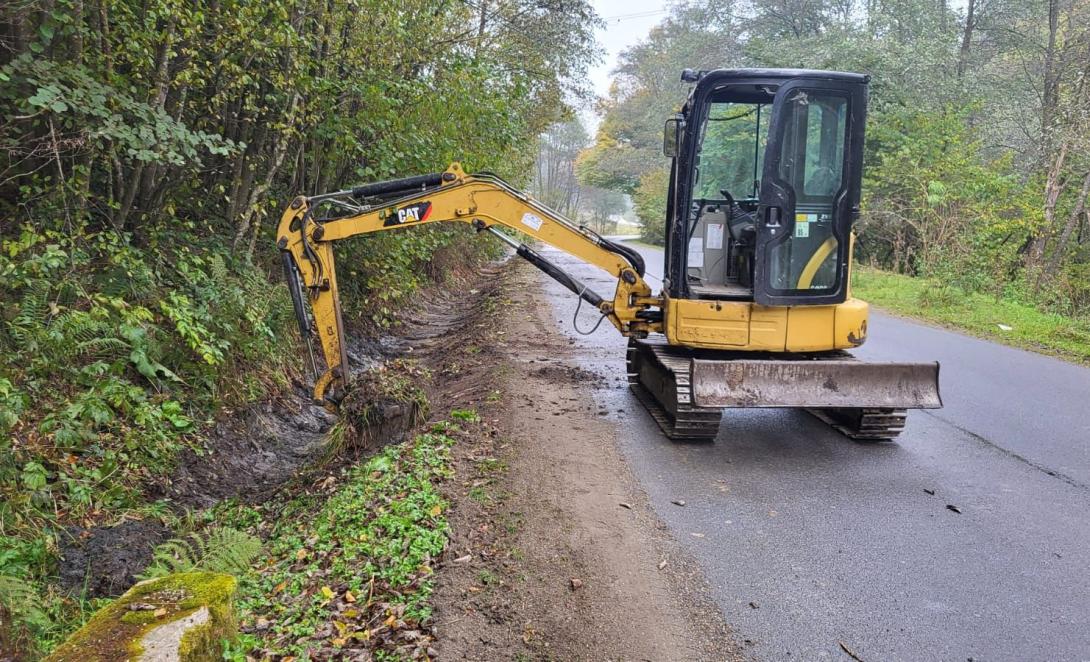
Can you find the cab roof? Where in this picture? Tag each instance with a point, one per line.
(721, 75)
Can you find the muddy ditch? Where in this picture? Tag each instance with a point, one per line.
(251, 453)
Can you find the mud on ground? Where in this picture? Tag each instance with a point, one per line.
(252, 452)
(554, 552)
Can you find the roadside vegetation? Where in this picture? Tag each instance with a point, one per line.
(147, 151)
(1002, 319)
(978, 135)
(349, 560)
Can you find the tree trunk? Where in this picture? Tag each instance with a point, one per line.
(966, 38)
(481, 26)
(1053, 187)
(1073, 220)
(1051, 93)
(281, 143)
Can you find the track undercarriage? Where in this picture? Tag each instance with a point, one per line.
(662, 377)
(658, 375)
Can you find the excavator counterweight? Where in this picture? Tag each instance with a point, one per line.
(755, 308)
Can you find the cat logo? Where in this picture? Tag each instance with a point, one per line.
(415, 213)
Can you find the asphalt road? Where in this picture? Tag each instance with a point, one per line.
(810, 541)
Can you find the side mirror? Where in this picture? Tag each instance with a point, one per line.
(671, 135)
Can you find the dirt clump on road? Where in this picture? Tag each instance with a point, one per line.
(554, 552)
(568, 373)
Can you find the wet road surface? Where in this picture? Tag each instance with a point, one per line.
(811, 542)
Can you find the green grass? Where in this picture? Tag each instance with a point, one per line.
(976, 314)
(353, 573)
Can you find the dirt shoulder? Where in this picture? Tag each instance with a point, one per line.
(554, 552)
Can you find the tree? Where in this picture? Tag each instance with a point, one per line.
(598, 206)
(554, 180)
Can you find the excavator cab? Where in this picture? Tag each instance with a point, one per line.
(765, 186)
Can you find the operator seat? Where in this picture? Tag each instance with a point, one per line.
(742, 225)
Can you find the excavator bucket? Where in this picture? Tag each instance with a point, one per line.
(815, 384)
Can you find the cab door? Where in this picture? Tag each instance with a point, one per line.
(809, 194)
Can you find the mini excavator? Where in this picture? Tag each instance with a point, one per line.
(755, 308)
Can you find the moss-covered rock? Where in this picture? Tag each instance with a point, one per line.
(180, 617)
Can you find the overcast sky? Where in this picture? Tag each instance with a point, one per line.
(627, 22)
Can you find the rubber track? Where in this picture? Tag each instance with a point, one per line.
(687, 423)
(865, 424)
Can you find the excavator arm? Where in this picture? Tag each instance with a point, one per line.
(306, 238)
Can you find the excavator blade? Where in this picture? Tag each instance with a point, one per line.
(817, 384)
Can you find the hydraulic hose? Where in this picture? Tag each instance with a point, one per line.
(557, 274)
(398, 186)
(291, 274)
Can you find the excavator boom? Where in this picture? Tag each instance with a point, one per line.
(485, 201)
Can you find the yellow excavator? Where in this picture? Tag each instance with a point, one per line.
(755, 308)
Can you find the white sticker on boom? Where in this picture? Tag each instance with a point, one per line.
(531, 221)
(714, 236)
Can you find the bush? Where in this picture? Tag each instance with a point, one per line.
(650, 202)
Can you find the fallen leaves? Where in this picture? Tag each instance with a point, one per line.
(954, 508)
(349, 578)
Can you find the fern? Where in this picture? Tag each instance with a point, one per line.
(77, 333)
(102, 348)
(218, 269)
(65, 335)
(33, 313)
(220, 549)
(22, 601)
(78, 326)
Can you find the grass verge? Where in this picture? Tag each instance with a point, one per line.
(981, 315)
(350, 566)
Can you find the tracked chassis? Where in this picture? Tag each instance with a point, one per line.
(659, 376)
(685, 390)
